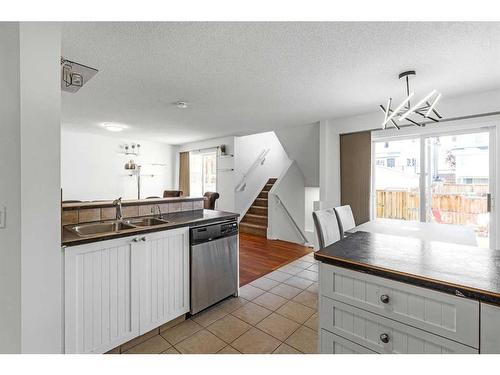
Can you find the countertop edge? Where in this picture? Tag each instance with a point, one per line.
(417, 280)
(139, 231)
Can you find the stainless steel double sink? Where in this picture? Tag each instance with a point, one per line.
(111, 227)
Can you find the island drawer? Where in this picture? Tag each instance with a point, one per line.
(443, 314)
(333, 344)
(381, 334)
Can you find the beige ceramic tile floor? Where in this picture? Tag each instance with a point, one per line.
(276, 314)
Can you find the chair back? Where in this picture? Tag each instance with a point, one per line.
(210, 198)
(327, 227)
(345, 218)
(172, 193)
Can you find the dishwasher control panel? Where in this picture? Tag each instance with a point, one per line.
(229, 228)
(213, 231)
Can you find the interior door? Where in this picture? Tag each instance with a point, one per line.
(458, 184)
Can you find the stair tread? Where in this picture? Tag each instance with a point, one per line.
(262, 199)
(252, 225)
(259, 216)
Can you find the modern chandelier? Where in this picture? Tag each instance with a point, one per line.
(424, 108)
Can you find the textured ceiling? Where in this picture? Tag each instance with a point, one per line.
(243, 78)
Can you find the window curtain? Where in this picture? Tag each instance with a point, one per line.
(355, 174)
(184, 173)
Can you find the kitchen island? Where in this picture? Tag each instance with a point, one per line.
(389, 294)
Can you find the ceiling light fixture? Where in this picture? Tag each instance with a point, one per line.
(75, 75)
(114, 127)
(423, 108)
(181, 104)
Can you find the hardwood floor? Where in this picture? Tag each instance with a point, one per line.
(259, 256)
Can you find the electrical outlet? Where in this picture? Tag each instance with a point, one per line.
(3, 217)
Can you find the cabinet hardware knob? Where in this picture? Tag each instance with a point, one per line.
(384, 298)
(384, 337)
(143, 239)
(136, 239)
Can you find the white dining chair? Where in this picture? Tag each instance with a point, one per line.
(345, 218)
(327, 227)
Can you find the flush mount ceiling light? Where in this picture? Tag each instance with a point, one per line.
(181, 104)
(75, 75)
(404, 111)
(112, 127)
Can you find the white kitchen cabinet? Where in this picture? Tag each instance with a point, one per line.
(387, 316)
(442, 314)
(101, 295)
(164, 277)
(334, 344)
(383, 335)
(490, 329)
(117, 289)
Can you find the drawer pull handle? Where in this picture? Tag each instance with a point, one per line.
(143, 239)
(384, 337)
(384, 298)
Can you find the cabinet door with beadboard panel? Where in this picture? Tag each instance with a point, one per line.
(381, 334)
(440, 313)
(164, 277)
(101, 295)
(333, 344)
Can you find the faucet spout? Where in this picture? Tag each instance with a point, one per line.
(118, 204)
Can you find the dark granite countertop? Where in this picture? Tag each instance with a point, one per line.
(456, 269)
(175, 220)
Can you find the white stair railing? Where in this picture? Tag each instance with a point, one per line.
(259, 161)
(295, 225)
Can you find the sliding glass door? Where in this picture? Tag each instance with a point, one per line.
(397, 186)
(458, 182)
(439, 178)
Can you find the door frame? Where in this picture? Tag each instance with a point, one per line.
(476, 125)
(202, 152)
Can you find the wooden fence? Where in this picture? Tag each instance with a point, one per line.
(451, 204)
(398, 204)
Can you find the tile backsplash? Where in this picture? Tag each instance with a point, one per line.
(75, 215)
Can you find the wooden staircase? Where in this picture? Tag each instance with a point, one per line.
(255, 220)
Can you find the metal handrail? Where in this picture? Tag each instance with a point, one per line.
(304, 238)
(259, 161)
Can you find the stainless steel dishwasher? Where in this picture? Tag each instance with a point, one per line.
(214, 264)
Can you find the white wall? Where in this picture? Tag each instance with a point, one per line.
(247, 150)
(225, 179)
(290, 190)
(41, 272)
(301, 144)
(10, 193)
(330, 131)
(311, 196)
(92, 167)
